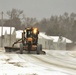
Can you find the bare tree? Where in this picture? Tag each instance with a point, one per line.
(15, 13)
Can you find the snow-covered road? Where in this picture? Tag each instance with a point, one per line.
(55, 62)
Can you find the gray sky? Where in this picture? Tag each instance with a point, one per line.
(39, 8)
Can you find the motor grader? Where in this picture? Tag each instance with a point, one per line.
(28, 42)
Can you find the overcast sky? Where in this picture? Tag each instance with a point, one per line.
(39, 8)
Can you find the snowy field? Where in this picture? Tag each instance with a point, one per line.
(55, 62)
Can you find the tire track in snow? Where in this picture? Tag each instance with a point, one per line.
(59, 65)
(44, 63)
(67, 61)
(47, 62)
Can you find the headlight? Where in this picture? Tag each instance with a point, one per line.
(35, 30)
(25, 31)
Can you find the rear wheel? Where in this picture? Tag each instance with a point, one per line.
(21, 48)
(39, 48)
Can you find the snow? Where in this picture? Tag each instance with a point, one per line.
(45, 36)
(55, 39)
(25, 64)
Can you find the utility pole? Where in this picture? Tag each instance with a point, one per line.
(10, 30)
(10, 36)
(2, 29)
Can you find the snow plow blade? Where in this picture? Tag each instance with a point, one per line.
(17, 50)
(11, 49)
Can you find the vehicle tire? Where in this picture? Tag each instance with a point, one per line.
(21, 48)
(38, 49)
(29, 47)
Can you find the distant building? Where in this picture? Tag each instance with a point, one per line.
(60, 44)
(48, 42)
(6, 39)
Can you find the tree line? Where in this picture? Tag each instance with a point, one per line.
(64, 24)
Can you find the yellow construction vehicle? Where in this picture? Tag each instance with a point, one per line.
(28, 42)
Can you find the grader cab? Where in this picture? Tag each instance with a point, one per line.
(28, 42)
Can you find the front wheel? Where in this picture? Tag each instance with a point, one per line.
(21, 48)
(39, 48)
